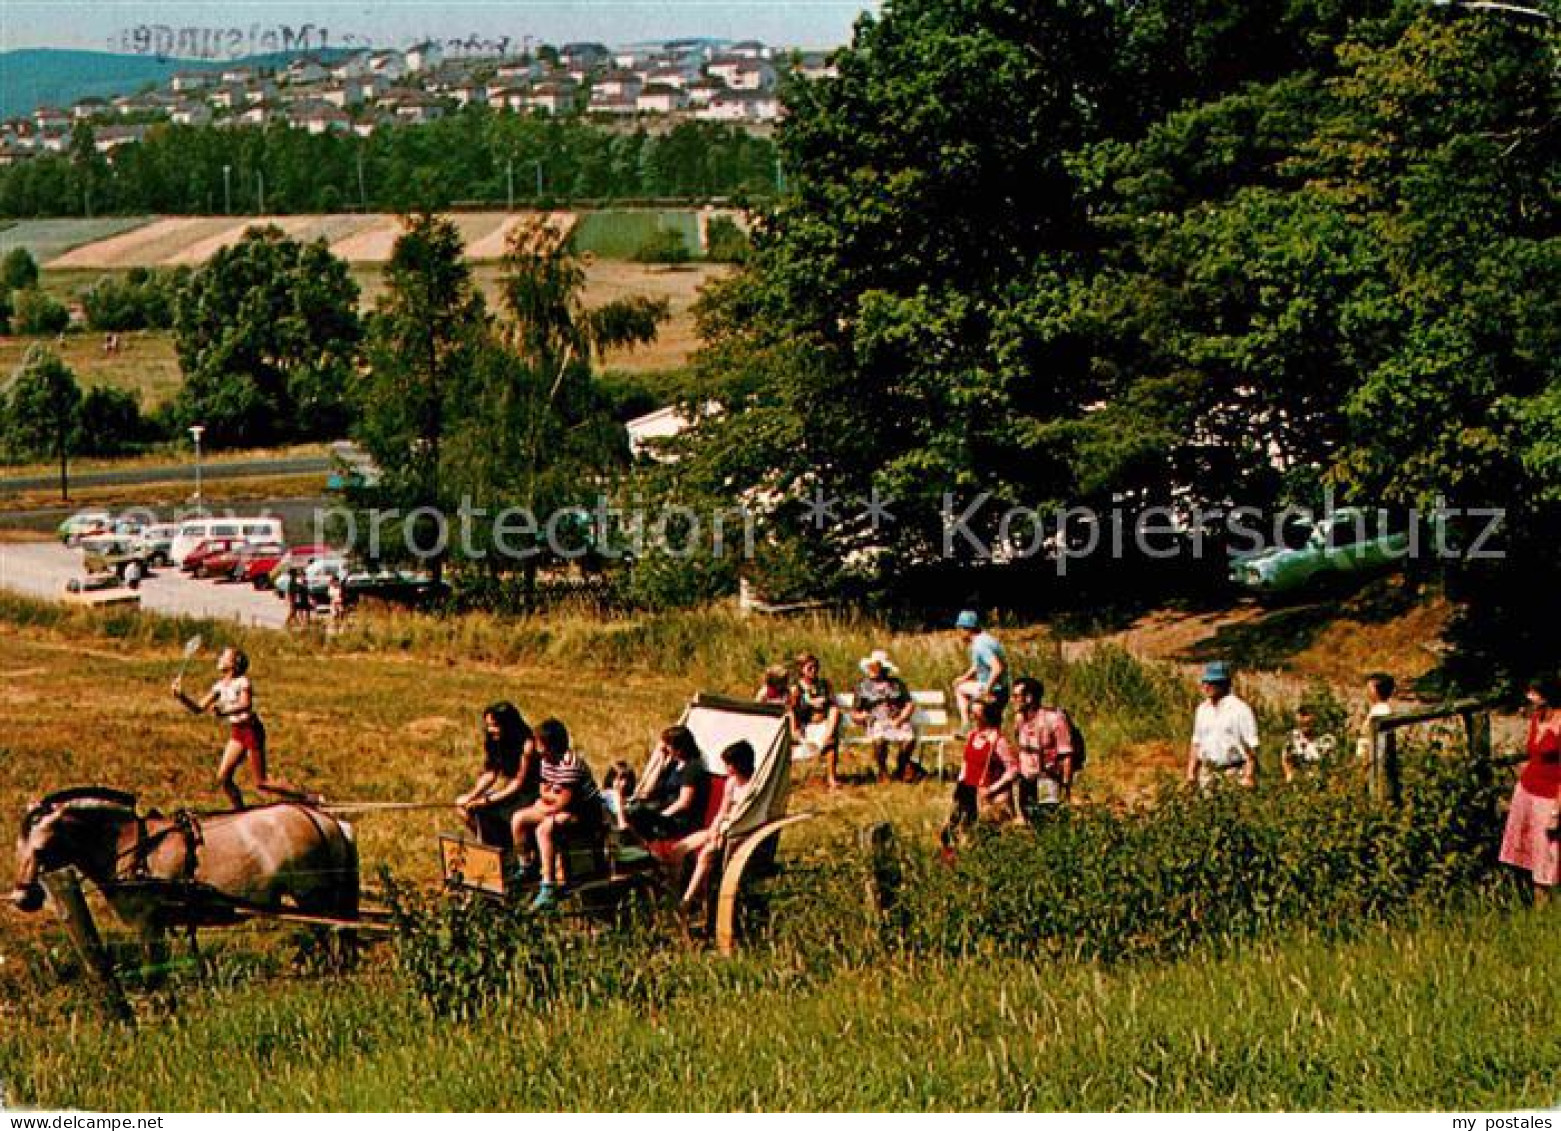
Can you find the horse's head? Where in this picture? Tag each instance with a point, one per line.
(66, 828)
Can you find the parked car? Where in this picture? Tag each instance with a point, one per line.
(83, 523)
(299, 557)
(197, 530)
(398, 586)
(256, 563)
(1351, 540)
(193, 560)
(317, 577)
(155, 542)
(224, 565)
(120, 559)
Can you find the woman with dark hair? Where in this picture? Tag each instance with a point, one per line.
(1533, 836)
(709, 843)
(671, 804)
(511, 776)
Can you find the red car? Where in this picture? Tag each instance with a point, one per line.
(299, 557)
(211, 546)
(255, 564)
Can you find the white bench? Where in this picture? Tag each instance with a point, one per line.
(931, 721)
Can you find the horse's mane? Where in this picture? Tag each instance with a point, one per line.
(99, 795)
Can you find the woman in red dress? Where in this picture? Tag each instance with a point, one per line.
(1533, 838)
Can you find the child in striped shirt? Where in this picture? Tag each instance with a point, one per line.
(570, 801)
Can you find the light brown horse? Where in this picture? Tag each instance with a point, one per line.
(278, 857)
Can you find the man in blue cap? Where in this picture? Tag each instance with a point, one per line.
(1224, 732)
(987, 677)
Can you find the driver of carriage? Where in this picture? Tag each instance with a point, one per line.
(570, 805)
(511, 776)
(671, 801)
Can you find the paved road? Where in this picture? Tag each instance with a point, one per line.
(243, 469)
(41, 569)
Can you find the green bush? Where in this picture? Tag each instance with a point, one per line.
(140, 300)
(664, 245)
(725, 242)
(18, 270)
(39, 313)
(1222, 868)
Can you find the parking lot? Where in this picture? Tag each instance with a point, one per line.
(41, 569)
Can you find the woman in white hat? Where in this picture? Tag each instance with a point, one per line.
(884, 708)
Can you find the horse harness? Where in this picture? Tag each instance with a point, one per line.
(184, 824)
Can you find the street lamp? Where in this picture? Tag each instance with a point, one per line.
(196, 432)
(227, 190)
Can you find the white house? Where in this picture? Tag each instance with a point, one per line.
(304, 70)
(354, 66)
(552, 97)
(238, 74)
(611, 104)
(412, 106)
(470, 94)
(424, 56)
(701, 91)
(51, 119)
(89, 108)
(661, 99)
(230, 96)
(260, 114)
(749, 49)
(109, 138)
(740, 106)
(191, 114)
(319, 117)
(751, 74)
(517, 74)
(185, 81)
(390, 65)
(619, 84)
(515, 98)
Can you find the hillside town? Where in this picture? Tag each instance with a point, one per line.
(365, 91)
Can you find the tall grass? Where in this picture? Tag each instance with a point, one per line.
(1449, 1015)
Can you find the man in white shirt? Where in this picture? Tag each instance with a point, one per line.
(1224, 733)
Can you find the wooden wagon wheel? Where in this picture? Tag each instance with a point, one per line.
(733, 875)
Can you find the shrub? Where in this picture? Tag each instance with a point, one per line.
(141, 300)
(664, 245)
(18, 269)
(39, 313)
(1098, 883)
(725, 242)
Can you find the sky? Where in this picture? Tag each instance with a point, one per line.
(115, 25)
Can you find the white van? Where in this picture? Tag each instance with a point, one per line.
(197, 530)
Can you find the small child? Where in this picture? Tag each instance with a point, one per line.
(617, 788)
(1305, 750)
(1379, 702)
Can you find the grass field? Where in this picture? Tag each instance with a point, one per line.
(50, 239)
(1436, 1013)
(146, 363)
(619, 234)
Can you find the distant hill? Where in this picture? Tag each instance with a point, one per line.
(45, 76)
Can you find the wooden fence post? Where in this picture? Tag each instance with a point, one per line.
(64, 888)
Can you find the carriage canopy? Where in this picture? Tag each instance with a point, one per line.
(718, 722)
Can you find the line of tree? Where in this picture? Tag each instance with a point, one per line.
(1173, 252)
(477, 155)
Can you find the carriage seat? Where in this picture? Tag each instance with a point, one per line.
(664, 850)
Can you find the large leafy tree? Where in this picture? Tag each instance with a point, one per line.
(267, 334)
(43, 406)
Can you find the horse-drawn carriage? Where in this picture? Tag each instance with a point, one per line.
(605, 877)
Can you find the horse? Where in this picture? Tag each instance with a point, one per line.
(189, 870)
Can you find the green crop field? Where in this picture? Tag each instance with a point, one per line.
(46, 239)
(619, 234)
